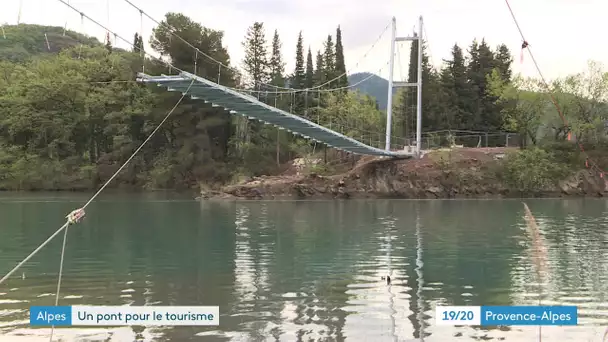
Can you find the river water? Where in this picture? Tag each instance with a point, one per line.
(304, 271)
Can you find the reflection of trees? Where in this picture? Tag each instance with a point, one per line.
(287, 275)
(467, 249)
(312, 279)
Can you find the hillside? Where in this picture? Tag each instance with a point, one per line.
(25, 40)
(376, 86)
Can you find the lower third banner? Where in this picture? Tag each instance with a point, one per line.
(506, 315)
(123, 315)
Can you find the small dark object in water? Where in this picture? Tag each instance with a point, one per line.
(388, 279)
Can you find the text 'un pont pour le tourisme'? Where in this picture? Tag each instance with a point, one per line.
(123, 315)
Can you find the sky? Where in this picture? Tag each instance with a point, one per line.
(561, 33)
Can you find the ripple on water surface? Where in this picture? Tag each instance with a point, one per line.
(311, 270)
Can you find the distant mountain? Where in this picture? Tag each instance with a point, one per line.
(375, 86)
(24, 41)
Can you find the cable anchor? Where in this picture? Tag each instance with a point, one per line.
(75, 216)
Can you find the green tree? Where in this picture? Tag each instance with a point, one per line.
(299, 74)
(309, 83)
(340, 66)
(481, 64)
(257, 66)
(582, 99)
(329, 62)
(277, 65)
(309, 70)
(199, 135)
(432, 111)
(522, 105)
(277, 78)
(138, 43)
(354, 114)
(77, 130)
(256, 62)
(404, 113)
(503, 61)
(299, 77)
(318, 79)
(319, 74)
(457, 91)
(182, 56)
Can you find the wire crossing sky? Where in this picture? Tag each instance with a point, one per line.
(560, 32)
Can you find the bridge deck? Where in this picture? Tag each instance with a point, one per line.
(251, 107)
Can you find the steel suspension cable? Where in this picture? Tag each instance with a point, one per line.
(550, 91)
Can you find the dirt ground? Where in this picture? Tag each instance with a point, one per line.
(444, 173)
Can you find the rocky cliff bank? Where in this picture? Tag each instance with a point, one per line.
(456, 173)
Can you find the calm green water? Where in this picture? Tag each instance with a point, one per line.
(304, 271)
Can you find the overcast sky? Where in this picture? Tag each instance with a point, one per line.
(563, 33)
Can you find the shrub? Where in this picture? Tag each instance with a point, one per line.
(442, 159)
(533, 170)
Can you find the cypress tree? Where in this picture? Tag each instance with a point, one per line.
(319, 74)
(340, 66)
(318, 78)
(408, 95)
(277, 66)
(329, 62)
(502, 64)
(299, 74)
(458, 70)
(309, 82)
(277, 78)
(309, 70)
(412, 73)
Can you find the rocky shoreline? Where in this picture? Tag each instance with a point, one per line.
(464, 173)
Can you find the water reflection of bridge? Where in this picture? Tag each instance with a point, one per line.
(313, 271)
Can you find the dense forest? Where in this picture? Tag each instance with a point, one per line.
(71, 112)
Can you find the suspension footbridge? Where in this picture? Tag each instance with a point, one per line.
(250, 107)
(239, 103)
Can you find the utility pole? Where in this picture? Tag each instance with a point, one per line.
(418, 85)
